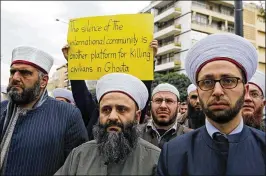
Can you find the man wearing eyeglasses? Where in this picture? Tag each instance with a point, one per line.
(164, 108)
(220, 65)
(254, 104)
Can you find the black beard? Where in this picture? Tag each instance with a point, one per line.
(27, 96)
(170, 122)
(196, 117)
(227, 115)
(116, 146)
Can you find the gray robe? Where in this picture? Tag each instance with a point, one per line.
(85, 160)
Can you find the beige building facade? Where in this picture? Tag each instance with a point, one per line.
(59, 79)
(180, 24)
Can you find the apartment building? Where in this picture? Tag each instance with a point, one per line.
(180, 24)
(60, 80)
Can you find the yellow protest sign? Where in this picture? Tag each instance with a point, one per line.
(107, 44)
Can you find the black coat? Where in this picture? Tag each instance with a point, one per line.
(195, 153)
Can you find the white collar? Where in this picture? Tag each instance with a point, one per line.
(211, 129)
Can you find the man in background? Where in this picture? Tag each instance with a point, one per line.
(194, 117)
(255, 102)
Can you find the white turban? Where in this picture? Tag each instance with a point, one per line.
(4, 89)
(191, 88)
(64, 93)
(165, 87)
(121, 82)
(259, 80)
(226, 46)
(32, 56)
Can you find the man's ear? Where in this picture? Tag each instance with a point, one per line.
(264, 102)
(138, 115)
(44, 81)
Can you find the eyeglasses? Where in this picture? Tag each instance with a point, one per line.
(226, 83)
(255, 94)
(167, 101)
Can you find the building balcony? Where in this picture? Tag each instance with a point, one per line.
(159, 4)
(165, 66)
(168, 31)
(208, 29)
(169, 48)
(260, 26)
(218, 15)
(168, 66)
(168, 14)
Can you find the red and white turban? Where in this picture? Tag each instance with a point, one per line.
(259, 80)
(124, 83)
(32, 56)
(222, 46)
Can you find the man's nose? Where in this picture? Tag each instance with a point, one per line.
(247, 96)
(16, 76)
(113, 116)
(218, 90)
(163, 105)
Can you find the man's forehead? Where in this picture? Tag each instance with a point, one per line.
(116, 98)
(253, 87)
(23, 66)
(219, 68)
(164, 94)
(193, 93)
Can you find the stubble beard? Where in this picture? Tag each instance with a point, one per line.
(225, 116)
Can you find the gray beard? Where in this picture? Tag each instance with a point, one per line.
(254, 120)
(27, 95)
(114, 147)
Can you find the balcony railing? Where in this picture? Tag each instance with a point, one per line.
(206, 6)
(168, 14)
(169, 47)
(169, 31)
(209, 27)
(162, 11)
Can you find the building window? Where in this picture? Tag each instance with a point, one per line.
(166, 41)
(201, 19)
(227, 11)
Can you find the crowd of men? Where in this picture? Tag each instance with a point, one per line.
(133, 130)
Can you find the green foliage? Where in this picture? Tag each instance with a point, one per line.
(180, 81)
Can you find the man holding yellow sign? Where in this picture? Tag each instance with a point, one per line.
(81, 94)
(107, 44)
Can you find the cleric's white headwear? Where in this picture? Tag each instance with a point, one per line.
(191, 88)
(64, 93)
(165, 87)
(125, 83)
(259, 80)
(4, 89)
(223, 46)
(32, 56)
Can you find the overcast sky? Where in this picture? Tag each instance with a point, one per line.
(33, 23)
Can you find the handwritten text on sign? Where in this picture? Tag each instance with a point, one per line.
(106, 44)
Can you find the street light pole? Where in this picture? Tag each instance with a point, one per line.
(61, 21)
(238, 17)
